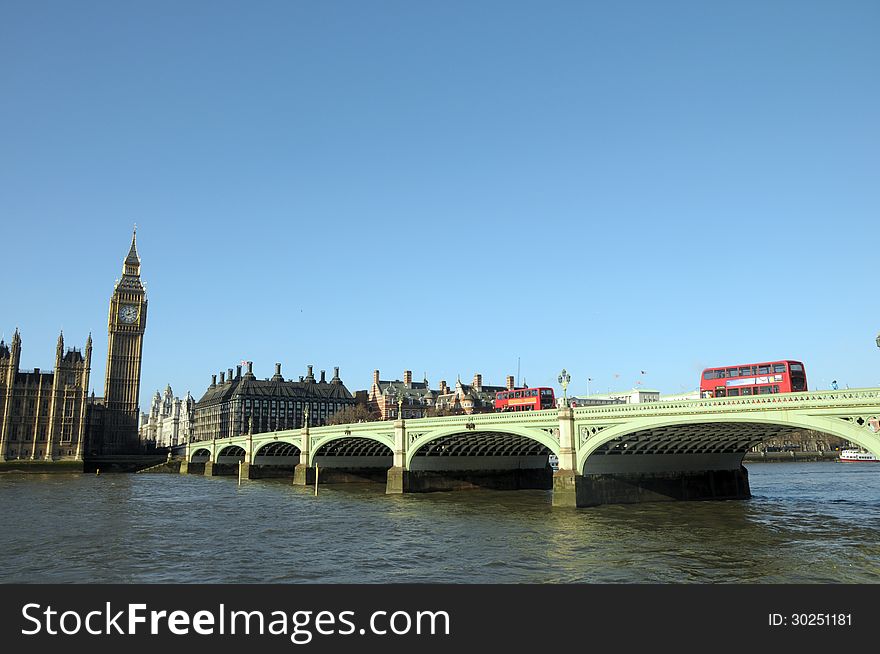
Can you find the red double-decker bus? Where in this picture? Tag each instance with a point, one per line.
(754, 379)
(525, 399)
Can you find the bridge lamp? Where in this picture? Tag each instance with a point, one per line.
(563, 379)
(878, 340)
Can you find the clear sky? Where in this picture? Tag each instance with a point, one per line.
(447, 187)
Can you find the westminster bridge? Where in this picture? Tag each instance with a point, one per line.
(621, 453)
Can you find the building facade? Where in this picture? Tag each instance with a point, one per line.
(410, 399)
(170, 421)
(43, 414)
(116, 419)
(239, 403)
(470, 398)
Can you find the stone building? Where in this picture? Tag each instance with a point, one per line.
(115, 421)
(239, 402)
(470, 398)
(43, 414)
(170, 421)
(384, 397)
(51, 416)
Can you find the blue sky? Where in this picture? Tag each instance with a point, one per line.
(448, 188)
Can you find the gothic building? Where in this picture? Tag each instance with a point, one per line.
(50, 416)
(43, 414)
(385, 397)
(170, 420)
(126, 323)
(238, 403)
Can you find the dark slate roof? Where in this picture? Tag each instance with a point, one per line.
(251, 388)
(397, 386)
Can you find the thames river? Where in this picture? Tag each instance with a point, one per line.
(806, 522)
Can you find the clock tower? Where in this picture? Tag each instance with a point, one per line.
(126, 323)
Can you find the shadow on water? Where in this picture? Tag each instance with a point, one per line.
(806, 523)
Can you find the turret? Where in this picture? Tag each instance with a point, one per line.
(59, 350)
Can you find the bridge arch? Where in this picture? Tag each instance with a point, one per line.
(351, 445)
(277, 453)
(231, 454)
(687, 435)
(483, 441)
(200, 455)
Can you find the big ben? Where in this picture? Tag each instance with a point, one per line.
(126, 323)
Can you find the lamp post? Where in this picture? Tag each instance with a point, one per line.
(878, 340)
(563, 379)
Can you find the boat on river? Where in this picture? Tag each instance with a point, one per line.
(857, 456)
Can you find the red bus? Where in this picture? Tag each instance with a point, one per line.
(754, 379)
(525, 399)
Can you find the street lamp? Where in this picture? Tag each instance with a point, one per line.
(878, 340)
(563, 379)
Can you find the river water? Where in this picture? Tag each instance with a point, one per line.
(806, 522)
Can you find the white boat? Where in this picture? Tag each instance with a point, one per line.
(857, 456)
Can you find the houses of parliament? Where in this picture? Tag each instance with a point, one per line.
(50, 416)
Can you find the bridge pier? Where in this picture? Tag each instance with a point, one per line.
(184, 466)
(397, 481)
(209, 469)
(573, 490)
(303, 475)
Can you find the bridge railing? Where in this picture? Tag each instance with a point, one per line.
(805, 399)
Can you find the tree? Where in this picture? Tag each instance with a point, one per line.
(354, 413)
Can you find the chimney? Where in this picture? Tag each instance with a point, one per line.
(250, 367)
(443, 387)
(478, 382)
(301, 378)
(336, 379)
(277, 377)
(323, 378)
(407, 378)
(376, 377)
(229, 376)
(213, 381)
(238, 372)
(510, 382)
(222, 377)
(277, 368)
(310, 377)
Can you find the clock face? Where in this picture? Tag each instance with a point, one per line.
(128, 313)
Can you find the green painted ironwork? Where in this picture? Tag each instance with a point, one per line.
(853, 415)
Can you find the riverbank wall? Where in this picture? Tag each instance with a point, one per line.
(789, 457)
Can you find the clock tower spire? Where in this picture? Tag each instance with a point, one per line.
(126, 323)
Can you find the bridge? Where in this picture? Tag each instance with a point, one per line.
(684, 450)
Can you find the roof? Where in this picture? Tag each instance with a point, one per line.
(245, 387)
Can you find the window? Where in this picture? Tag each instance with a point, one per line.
(778, 367)
(733, 392)
(763, 370)
(745, 372)
(764, 390)
(747, 391)
(796, 367)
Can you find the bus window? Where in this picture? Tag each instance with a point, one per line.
(778, 367)
(776, 388)
(747, 391)
(731, 372)
(763, 370)
(720, 391)
(764, 390)
(796, 367)
(733, 392)
(745, 372)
